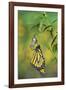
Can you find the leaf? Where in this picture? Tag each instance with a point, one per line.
(47, 27)
(53, 40)
(54, 21)
(51, 32)
(55, 48)
(41, 26)
(36, 25)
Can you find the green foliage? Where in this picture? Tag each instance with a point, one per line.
(45, 24)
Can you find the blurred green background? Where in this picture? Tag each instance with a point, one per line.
(44, 26)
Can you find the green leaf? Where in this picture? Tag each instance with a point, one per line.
(53, 40)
